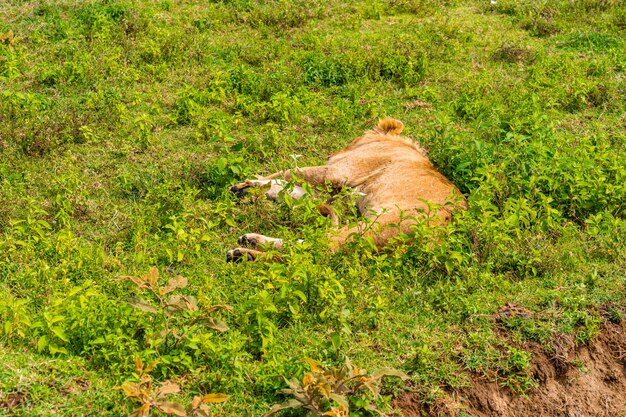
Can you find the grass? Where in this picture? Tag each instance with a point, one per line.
(123, 123)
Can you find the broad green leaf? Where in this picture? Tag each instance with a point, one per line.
(42, 343)
(60, 333)
(50, 319)
(54, 349)
(299, 294)
(74, 291)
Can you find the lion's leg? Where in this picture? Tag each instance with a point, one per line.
(256, 241)
(274, 186)
(316, 175)
(240, 254)
(253, 240)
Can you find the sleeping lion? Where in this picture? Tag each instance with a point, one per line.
(393, 177)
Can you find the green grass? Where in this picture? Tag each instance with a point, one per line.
(124, 122)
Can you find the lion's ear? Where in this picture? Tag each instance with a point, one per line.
(389, 125)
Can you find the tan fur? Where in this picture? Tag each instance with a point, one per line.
(395, 178)
(389, 125)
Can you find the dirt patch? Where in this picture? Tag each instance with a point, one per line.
(573, 382)
(12, 400)
(511, 310)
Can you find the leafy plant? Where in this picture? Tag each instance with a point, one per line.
(153, 397)
(179, 321)
(14, 316)
(330, 392)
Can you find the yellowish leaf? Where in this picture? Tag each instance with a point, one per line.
(138, 281)
(191, 302)
(295, 404)
(215, 398)
(151, 366)
(203, 411)
(172, 408)
(172, 284)
(315, 366)
(152, 276)
(324, 389)
(218, 307)
(142, 305)
(131, 389)
(214, 324)
(307, 380)
(340, 411)
(168, 387)
(143, 411)
(196, 402)
(138, 364)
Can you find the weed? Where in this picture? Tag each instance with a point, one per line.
(331, 392)
(171, 335)
(151, 397)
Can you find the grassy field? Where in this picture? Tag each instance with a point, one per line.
(124, 122)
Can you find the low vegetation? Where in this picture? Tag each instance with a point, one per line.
(124, 122)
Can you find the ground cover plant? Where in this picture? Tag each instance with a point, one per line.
(124, 122)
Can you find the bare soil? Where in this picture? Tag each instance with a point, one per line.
(584, 381)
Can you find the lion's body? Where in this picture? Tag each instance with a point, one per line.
(393, 176)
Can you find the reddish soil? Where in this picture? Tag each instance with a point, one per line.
(573, 382)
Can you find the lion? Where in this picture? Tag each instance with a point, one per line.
(393, 177)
